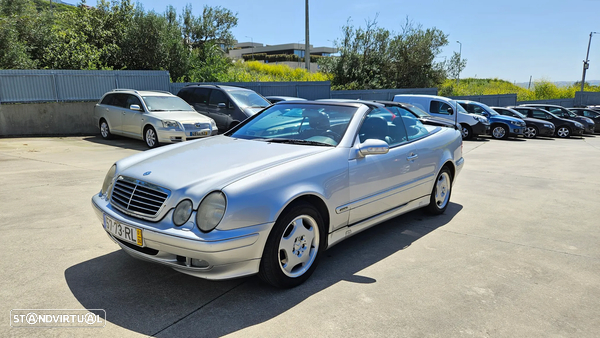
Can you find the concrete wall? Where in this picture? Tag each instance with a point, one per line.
(47, 119)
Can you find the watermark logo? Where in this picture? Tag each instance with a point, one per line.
(57, 318)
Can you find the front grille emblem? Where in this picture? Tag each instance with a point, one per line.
(147, 173)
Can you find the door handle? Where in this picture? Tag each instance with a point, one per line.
(412, 157)
(123, 113)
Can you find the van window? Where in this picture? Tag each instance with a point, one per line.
(437, 107)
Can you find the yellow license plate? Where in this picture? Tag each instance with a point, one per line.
(123, 231)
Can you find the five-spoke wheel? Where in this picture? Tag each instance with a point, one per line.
(105, 130)
(563, 132)
(150, 137)
(440, 195)
(530, 132)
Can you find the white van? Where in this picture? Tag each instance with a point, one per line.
(443, 107)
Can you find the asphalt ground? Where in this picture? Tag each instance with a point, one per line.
(515, 255)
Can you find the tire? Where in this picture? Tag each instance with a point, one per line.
(563, 132)
(530, 132)
(440, 194)
(499, 132)
(466, 131)
(150, 137)
(297, 234)
(105, 130)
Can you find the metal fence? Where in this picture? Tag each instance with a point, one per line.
(379, 94)
(560, 102)
(503, 100)
(308, 90)
(587, 99)
(27, 86)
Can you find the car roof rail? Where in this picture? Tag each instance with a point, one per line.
(202, 84)
(160, 91)
(125, 90)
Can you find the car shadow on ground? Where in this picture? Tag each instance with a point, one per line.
(154, 300)
(117, 141)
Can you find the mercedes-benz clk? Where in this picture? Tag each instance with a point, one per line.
(270, 195)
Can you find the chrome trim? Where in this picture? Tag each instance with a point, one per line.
(380, 195)
(122, 196)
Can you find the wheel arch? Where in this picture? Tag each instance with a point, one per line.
(315, 201)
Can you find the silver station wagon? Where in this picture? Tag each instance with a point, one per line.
(153, 116)
(279, 189)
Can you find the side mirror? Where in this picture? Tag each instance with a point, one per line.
(450, 111)
(135, 107)
(373, 147)
(486, 114)
(221, 105)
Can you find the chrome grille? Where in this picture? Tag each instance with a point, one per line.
(195, 126)
(138, 198)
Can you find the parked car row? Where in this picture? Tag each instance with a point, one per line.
(204, 110)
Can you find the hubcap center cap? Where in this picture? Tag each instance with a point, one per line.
(299, 246)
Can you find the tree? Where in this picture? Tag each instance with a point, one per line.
(455, 66)
(373, 57)
(19, 26)
(213, 26)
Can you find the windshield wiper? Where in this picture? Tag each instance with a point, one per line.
(293, 141)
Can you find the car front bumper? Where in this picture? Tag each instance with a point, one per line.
(480, 128)
(221, 255)
(589, 128)
(516, 130)
(175, 136)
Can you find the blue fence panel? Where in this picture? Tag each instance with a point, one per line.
(380, 94)
(22, 86)
(501, 100)
(587, 99)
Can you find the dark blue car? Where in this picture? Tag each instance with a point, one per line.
(501, 127)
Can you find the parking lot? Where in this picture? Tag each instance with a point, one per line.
(516, 254)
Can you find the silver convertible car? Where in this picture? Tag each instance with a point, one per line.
(270, 195)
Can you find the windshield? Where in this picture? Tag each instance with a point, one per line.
(247, 98)
(519, 114)
(420, 112)
(166, 103)
(306, 124)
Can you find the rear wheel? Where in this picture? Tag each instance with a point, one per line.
(293, 248)
(563, 132)
(530, 132)
(105, 130)
(150, 137)
(466, 131)
(440, 195)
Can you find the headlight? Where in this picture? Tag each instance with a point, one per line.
(108, 179)
(516, 123)
(182, 212)
(578, 125)
(480, 119)
(213, 124)
(170, 124)
(211, 211)
(548, 125)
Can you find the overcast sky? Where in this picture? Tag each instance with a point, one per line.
(508, 39)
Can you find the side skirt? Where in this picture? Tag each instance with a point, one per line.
(347, 231)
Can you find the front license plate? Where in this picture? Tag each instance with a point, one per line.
(199, 133)
(123, 231)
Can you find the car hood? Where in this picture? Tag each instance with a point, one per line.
(180, 116)
(505, 118)
(211, 163)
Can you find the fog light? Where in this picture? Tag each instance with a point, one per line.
(199, 263)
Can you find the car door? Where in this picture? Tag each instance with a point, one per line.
(111, 110)
(218, 107)
(132, 120)
(379, 183)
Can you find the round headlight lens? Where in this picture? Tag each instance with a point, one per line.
(108, 179)
(182, 212)
(211, 211)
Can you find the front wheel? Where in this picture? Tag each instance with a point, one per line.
(466, 131)
(293, 247)
(499, 132)
(440, 195)
(150, 137)
(530, 132)
(563, 132)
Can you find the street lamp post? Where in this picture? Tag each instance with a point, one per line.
(252, 42)
(307, 43)
(459, 59)
(586, 63)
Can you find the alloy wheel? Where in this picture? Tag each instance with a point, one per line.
(150, 138)
(298, 246)
(499, 132)
(563, 132)
(530, 132)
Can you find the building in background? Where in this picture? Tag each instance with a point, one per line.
(260, 51)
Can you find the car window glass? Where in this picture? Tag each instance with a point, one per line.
(108, 100)
(216, 97)
(438, 107)
(414, 128)
(588, 113)
(377, 125)
(199, 95)
(540, 115)
(132, 99)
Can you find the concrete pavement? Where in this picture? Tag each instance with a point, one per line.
(515, 255)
